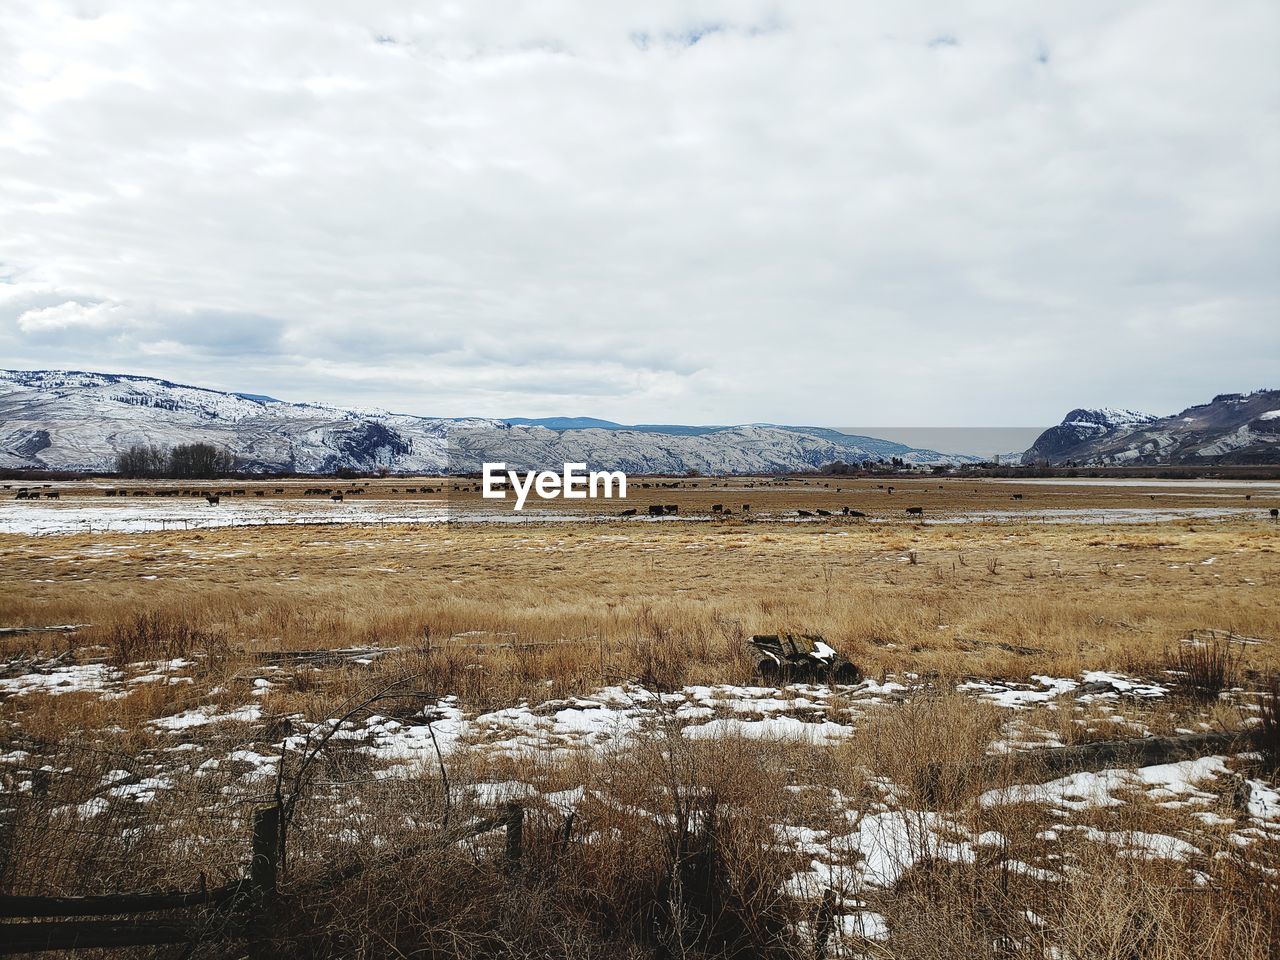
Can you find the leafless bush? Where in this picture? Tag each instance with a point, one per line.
(161, 633)
(1204, 667)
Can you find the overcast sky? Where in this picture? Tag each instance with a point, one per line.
(830, 213)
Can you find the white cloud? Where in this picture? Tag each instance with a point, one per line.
(70, 315)
(711, 211)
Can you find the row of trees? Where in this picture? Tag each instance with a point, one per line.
(189, 461)
(840, 468)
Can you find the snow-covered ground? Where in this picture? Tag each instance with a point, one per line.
(862, 846)
(47, 517)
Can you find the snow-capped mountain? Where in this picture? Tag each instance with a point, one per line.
(1231, 428)
(69, 420)
(1080, 428)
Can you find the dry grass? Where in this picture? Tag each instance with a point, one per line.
(673, 850)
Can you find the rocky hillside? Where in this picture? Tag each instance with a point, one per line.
(1233, 428)
(69, 420)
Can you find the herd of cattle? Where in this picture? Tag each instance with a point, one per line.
(338, 494)
(27, 493)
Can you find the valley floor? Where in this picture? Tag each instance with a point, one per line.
(397, 685)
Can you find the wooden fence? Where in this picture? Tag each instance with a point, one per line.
(235, 911)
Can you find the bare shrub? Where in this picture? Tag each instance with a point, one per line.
(1204, 667)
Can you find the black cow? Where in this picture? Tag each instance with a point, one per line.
(746, 508)
(1017, 496)
(212, 499)
(672, 508)
(717, 508)
(1275, 513)
(655, 510)
(823, 513)
(803, 513)
(336, 498)
(856, 513)
(915, 511)
(628, 513)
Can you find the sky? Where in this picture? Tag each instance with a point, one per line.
(928, 214)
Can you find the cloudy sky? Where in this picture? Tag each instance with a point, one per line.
(810, 212)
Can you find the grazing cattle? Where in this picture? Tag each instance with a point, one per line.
(279, 489)
(746, 508)
(1248, 496)
(20, 495)
(672, 508)
(108, 493)
(717, 508)
(259, 493)
(410, 489)
(237, 493)
(890, 490)
(803, 513)
(53, 495)
(1017, 496)
(856, 513)
(628, 513)
(1275, 513)
(655, 510)
(336, 498)
(212, 499)
(915, 511)
(823, 513)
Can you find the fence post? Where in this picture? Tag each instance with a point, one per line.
(823, 924)
(515, 835)
(266, 850)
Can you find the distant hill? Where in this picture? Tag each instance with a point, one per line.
(80, 421)
(1232, 428)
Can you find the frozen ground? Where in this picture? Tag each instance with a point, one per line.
(859, 846)
(1189, 484)
(45, 518)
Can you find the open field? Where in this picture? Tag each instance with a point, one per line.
(598, 674)
(134, 506)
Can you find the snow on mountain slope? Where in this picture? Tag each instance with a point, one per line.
(1082, 427)
(69, 420)
(1231, 428)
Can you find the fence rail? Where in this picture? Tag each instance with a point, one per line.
(238, 901)
(239, 904)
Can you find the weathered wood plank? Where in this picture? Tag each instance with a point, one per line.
(117, 903)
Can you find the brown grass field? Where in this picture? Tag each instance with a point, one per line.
(601, 670)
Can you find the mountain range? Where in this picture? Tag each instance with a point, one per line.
(73, 420)
(1232, 428)
(78, 421)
